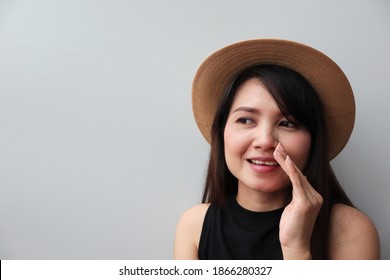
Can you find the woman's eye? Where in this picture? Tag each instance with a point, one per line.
(245, 121)
(286, 123)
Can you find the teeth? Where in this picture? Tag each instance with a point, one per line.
(259, 162)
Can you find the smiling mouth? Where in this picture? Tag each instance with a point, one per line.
(259, 162)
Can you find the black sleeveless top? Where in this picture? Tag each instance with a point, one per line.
(232, 232)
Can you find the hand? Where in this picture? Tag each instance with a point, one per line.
(299, 216)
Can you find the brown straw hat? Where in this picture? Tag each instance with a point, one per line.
(220, 68)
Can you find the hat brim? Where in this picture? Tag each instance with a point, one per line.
(220, 68)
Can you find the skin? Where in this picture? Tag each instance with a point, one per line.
(256, 129)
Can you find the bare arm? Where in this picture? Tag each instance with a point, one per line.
(353, 236)
(188, 233)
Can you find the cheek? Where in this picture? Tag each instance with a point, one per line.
(298, 148)
(230, 149)
(230, 143)
(235, 145)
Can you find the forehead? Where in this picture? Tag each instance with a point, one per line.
(253, 94)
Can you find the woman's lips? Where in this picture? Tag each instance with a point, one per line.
(260, 162)
(261, 165)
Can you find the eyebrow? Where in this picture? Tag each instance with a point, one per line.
(246, 109)
(256, 111)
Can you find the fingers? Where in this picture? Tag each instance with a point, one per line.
(280, 156)
(293, 172)
(285, 161)
(297, 179)
(301, 186)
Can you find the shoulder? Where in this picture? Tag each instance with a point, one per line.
(193, 217)
(353, 235)
(188, 231)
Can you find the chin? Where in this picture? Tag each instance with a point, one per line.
(269, 187)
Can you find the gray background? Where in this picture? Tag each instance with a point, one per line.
(99, 152)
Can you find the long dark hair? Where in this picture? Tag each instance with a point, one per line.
(295, 97)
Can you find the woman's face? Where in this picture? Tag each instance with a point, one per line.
(253, 129)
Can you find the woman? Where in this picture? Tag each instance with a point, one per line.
(275, 112)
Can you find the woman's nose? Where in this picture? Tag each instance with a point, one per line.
(265, 138)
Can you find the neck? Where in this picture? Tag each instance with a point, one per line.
(258, 201)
